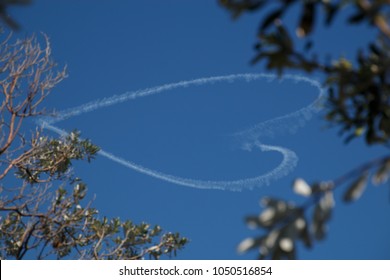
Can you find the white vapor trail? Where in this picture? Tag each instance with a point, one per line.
(249, 138)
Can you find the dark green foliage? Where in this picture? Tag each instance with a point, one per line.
(359, 97)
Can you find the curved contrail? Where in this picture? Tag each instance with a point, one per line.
(249, 138)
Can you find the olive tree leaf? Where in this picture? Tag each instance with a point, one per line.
(301, 187)
(356, 189)
(383, 173)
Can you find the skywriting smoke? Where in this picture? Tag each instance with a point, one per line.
(248, 138)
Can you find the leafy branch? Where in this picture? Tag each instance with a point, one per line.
(359, 90)
(285, 223)
(43, 213)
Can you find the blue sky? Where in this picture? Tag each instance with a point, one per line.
(111, 48)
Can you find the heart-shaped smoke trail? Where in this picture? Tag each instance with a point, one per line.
(249, 138)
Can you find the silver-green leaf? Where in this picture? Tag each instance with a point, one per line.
(301, 187)
(357, 188)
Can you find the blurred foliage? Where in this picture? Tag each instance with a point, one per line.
(5, 17)
(43, 212)
(358, 102)
(285, 223)
(359, 91)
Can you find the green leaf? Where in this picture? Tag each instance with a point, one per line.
(305, 236)
(307, 19)
(248, 244)
(356, 189)
(322, 213)
(272, 16)
(301, 187)
(286, 244)
(383, 173)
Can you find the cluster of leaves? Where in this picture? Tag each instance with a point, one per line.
(43, 213)
(54, 222)
(285, 223)
(359, 90)
(51, 158)
(43, 223)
